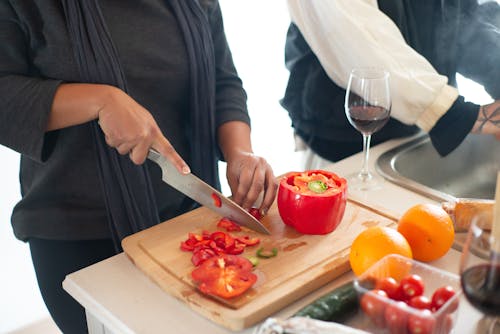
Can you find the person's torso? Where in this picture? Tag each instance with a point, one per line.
(153, 56)
(316, 104)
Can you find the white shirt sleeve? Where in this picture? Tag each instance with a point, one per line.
(354, 33)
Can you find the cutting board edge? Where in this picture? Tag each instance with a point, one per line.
(249, 314)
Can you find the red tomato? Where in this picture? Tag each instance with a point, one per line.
(421, 323)
(411, 286)
(390, 286)
(224, 276)
(420, 302)
(313, 202)
(255, 212)
(396, 317)
(441, 296)
(374, 306)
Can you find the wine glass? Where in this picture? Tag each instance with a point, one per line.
(480, 273)
(367, 107)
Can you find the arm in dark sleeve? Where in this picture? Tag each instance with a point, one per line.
(230, 97)
(25, 100)
(454, 126)
(479, 46)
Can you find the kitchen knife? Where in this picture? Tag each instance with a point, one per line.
(206, 195)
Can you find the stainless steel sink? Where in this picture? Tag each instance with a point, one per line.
(470, 171)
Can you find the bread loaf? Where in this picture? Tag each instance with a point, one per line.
(465, 209)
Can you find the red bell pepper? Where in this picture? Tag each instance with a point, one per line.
(224, 276)
(228, 225)
(217, 200)
(209, 244)
(313, 202)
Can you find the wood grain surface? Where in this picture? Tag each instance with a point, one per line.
(303, 264)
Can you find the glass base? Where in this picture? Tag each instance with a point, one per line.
(364, 181)
(489, 325)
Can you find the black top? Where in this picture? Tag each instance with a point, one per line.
(454, 36)
(61, 194)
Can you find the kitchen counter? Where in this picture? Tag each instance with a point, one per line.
(119, 298)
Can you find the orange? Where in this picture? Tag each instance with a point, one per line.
(429, 231)
(373, 244)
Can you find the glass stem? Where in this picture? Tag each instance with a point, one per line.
(365, 173)
(492, 328)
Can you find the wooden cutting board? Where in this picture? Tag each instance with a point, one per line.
(303, 264)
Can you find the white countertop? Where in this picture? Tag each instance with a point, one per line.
(122, 298)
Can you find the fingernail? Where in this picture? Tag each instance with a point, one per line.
(186, 170)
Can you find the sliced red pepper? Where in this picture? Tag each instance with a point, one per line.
(217, 200)
(236, 249)
(222, 240)
(201, 255)
(228, 225)
(248, 241)
(255, 212)
(215, 243)
(224, 276)
(313, 202)
(191, 242)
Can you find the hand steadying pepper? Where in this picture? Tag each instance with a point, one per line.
(248, 175)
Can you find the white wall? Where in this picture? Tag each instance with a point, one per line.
(20, 300)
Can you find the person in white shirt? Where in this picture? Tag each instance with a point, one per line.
(423, 44)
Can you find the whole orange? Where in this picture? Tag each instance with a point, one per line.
(373, 244)
(429, 231)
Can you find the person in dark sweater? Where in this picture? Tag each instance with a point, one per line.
(46, 111)
(423, 44)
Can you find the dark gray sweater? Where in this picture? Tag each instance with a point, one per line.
(61, 193)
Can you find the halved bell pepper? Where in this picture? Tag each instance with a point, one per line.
(313, 202)
(224, 276)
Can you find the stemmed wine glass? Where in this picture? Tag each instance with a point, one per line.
(480, 273)
(367, 107)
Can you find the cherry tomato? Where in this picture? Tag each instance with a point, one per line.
(441, 296)
(373, 305)
(411, 286)
(420, 302)
(421, 323)
(390, 286)
(396, 317)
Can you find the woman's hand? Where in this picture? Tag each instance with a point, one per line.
(127, 126)
(132, 130)
(488, 120)
(248, 176)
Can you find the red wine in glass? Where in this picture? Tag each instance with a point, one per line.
(480, 273)
(481, 286)
(368, 119)
(367, 107)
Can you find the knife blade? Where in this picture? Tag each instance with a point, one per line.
(200, 191)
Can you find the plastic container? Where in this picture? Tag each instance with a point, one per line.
(393, 316)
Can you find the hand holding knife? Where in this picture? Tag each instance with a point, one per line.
(203, 193)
